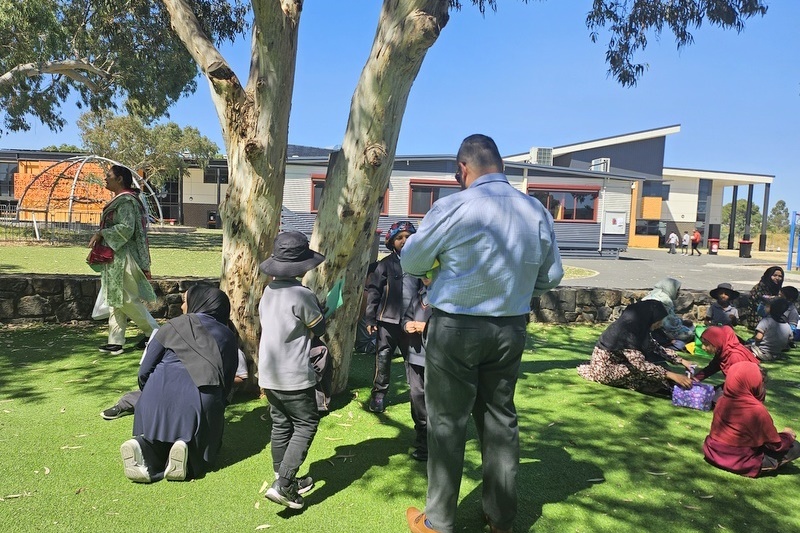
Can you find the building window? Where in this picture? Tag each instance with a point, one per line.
(318, 184)
(7, 171)
(212, 174)
(703, 199)
(655, 188)
(423, 195)
(568, 205)
(651, 227)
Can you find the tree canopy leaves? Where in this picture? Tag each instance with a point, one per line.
(160, 151)
(630, 21)
(108, 54)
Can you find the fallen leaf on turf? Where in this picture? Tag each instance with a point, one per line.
(81, 435)
(331, 462)
(65, 447)
(263, 526)
(258, 504)
(551, 424)
(350, 414)
(80, 490)
(692, 507)
(345, 425)
(644, 438)
(342, 456)
(264, 486)
(46, 471)
(707, 496)
(334, 438)
(595, 480)
(721, 526)
(263, 417)
(657, 473)
(6, 411)
(337, 415)
(14, 496)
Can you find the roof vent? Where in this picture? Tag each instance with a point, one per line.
(601, 164)
(542, 156)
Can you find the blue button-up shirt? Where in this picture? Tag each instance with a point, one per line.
(496, 248)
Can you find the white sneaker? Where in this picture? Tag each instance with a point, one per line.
(176, 466)
(133, 462)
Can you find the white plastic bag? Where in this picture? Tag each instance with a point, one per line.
(101, 309)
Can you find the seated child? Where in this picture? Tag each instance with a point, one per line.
(792, 316)
(414, 322)
(772, 332)
(743, 438)
(721, 312)
(291, 318)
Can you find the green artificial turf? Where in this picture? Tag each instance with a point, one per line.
(173, 254)
(593, 458)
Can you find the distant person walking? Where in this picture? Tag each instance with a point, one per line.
(696, 238)
(672, 241)
(687, 239)
(125, 281)
(494, 248)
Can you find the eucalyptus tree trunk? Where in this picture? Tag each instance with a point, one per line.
(349, 208)
(255, 127)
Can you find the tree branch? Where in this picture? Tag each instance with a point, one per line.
(186, 25)
(68, 67)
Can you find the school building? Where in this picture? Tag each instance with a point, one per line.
(604, 194)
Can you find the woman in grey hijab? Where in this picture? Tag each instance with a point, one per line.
(186, 375)
(674, 328)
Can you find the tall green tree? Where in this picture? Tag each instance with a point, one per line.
(778, 220)
(159, 152)
(254, 111)
(739, 224)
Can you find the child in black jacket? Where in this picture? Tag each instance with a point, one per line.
(385, 309)
(414, 322)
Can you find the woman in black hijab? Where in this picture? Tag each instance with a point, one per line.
(624, 353)
(761, 294)
(185, 377)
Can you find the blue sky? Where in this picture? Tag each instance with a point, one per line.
(529, 75)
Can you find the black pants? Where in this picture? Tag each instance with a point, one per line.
(415, 375)
(294, 424)
(390, 337)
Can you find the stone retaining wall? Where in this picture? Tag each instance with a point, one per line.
(53, 298)
(587, 305)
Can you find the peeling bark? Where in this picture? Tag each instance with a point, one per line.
(348, 213)
(255, 127)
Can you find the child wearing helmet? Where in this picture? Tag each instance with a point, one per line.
(385, 311)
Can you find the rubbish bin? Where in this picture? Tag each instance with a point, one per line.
(744, 248)
(212, 220)
(713, 246)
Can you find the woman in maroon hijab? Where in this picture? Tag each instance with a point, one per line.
(743, 438)
(722, 342)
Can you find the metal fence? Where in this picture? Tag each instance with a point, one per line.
(32, 226)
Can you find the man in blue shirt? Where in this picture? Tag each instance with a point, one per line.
(489, 249)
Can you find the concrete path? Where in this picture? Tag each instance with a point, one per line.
(640, 268)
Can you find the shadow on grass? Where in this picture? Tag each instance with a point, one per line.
(65, 357)
(246, 436)
(547, 474)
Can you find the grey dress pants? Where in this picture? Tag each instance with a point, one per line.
(471, 367)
